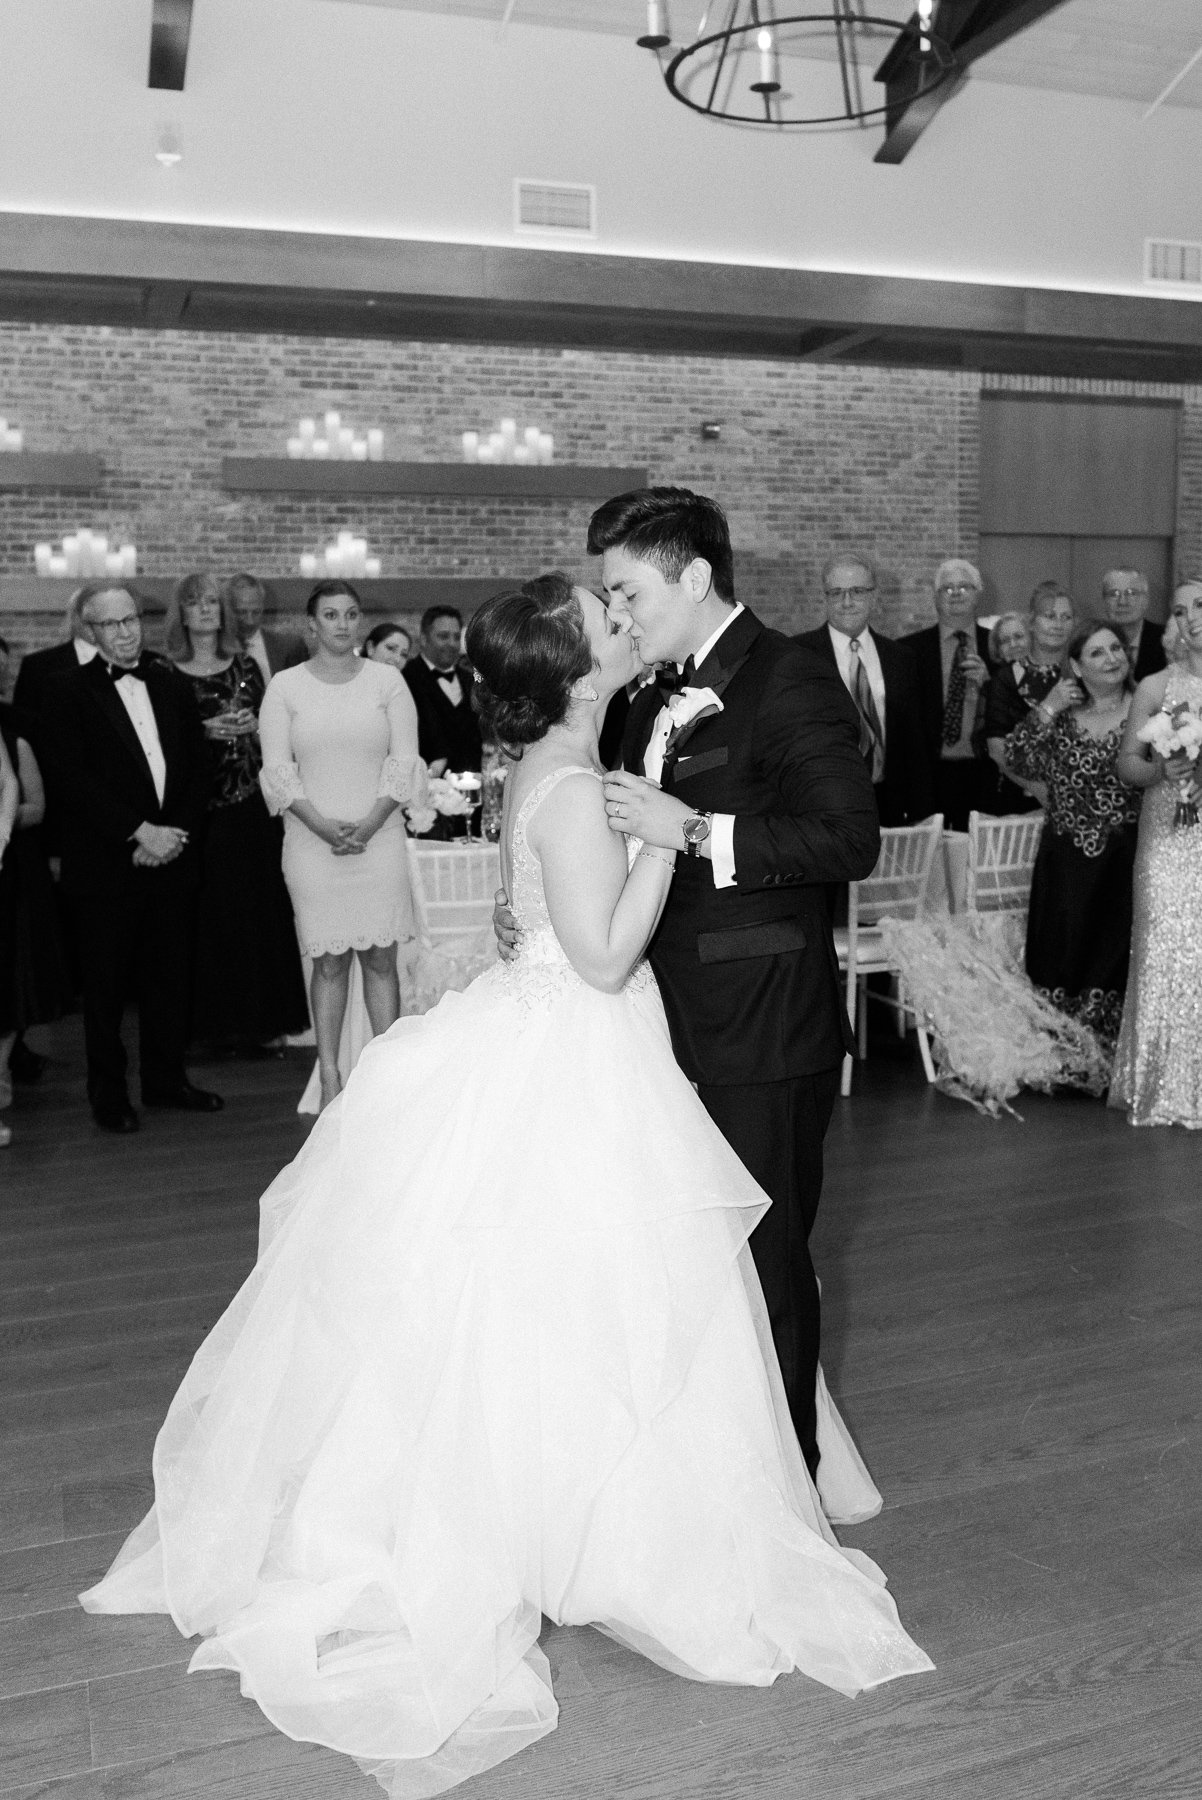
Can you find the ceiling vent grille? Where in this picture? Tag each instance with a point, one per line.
(1170, 262)
(554, 209)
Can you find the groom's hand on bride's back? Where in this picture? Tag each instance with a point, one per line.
(505, 926)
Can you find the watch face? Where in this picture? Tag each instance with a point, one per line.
(695, 831)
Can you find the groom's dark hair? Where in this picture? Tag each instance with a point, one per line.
(668, 527)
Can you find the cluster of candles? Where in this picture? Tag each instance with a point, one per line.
(86, 555)
(10, 437)
(503, 447)
(345, 557)
(336, 442)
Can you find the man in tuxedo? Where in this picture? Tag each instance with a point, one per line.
(272, 650)
(41, 668)
(765, 795)
(1124, 605)
(879, 676)
(448, 736)
(951, 664)
(130, 771)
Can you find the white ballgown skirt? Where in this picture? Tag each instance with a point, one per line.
(503, 1355)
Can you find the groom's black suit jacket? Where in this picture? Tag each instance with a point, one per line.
(748, 974)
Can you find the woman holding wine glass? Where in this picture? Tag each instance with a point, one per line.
(248, 986)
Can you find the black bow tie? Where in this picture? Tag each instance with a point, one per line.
(670, 680)
(115, 672)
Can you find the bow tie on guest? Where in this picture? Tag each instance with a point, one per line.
(115, 672)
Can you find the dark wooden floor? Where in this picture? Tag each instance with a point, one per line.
(1012, 1325)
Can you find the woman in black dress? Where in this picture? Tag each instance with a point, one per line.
(248, 986)
(1079, 925)
(42, 988)
(1016, 686)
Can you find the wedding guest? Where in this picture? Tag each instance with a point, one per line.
(130, 772)
(1079, 924)
(1125, 600)
(271, 650)
(1019, 683)
(1158, 1065)
(879, 675)
(950, 660)
(43, 987)
(41, 668)
(247, 987)
(448, 734)
(1009, 639)
(9, 800)
(340, 756)
(389, 643)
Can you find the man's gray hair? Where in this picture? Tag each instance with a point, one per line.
(856, 558)
(958, 568)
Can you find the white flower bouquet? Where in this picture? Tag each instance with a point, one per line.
(1177, 731)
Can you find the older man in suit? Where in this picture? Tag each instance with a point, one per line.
(879, 675)
(1125, 599)
(41, 668)
(130, 768)
(272, 650)
(951, 663)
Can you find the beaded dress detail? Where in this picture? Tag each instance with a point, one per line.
(503, 1357)
(1158, 1064)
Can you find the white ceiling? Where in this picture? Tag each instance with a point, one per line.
(1120, 49)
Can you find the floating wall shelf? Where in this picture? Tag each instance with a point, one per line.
(515, 481)
(49, 469)
(287, 594)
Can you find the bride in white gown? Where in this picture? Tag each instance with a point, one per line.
(504, 1353)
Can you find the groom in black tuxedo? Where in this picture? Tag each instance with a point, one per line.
(130, 770)
(765, 795)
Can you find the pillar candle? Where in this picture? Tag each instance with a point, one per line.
(112, 563)
(375, 444)
(359, 450)
(129, 560)
(346, 440)
(321, 449)
(308, 565)
(371, 568)
(16, 439)
(531, 436)
(546, 446)
(296, 447)
(308, 430)
(58, 566)
(471, 445)
(333, 423)
(42, 555)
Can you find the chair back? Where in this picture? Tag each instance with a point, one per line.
(453, 887)
(1001, 861)
(897, 886)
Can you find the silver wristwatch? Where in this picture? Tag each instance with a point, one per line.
(695, 831)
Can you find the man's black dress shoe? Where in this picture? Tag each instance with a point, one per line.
(116, 1118)
(184, 1098)
(25, 1065)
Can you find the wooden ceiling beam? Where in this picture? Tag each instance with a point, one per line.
(170, 29)
(971, 28)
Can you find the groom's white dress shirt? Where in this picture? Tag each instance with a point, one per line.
(722, 825)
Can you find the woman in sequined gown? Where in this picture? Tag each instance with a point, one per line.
(247, 983)
(504, 1354)
(1079, 924)
(1158, 1066)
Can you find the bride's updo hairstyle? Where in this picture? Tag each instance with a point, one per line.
(527, 648)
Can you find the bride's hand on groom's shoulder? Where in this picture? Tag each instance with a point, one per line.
(505, 926)
(638, 808)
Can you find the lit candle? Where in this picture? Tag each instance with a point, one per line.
(375, 444)
(359, 450)
(42, 554)
(333, 559)
(308, 565)
(498, 446)
(71, 552)
(346, 442)
(471, 445)
(767, 71)
(308, 430)
(333, 426)
(112, 563)
(371, 568)
(296, 447)
(100, 554)
(522, 453)
(509, 430)
(546, 446)
(58, 566)
(16, 439)
(484, 454)
(321, 449)
(531, 436)
(129, 560)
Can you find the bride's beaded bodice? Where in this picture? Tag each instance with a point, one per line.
(541, 965)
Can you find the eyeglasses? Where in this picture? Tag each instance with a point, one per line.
(130, 623)
(1123, 593)
(856, 593)
(956, 587)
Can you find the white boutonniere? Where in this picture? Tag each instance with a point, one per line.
(692, 703)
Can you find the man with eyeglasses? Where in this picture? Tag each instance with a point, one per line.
(1125, 599)
(879, 675)
(951, 660)
(129, 767)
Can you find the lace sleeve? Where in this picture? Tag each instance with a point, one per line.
(403, 778)
(281, 785)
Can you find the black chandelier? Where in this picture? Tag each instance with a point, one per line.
(734, 60)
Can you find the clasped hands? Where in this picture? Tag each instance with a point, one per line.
(229, 725)
(639, 808)
(157, 845)
(346, 838)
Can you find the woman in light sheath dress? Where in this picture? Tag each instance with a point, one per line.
(339, 739)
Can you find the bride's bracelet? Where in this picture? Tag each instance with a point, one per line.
(659, 856)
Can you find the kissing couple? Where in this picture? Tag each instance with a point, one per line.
(505, 1352)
